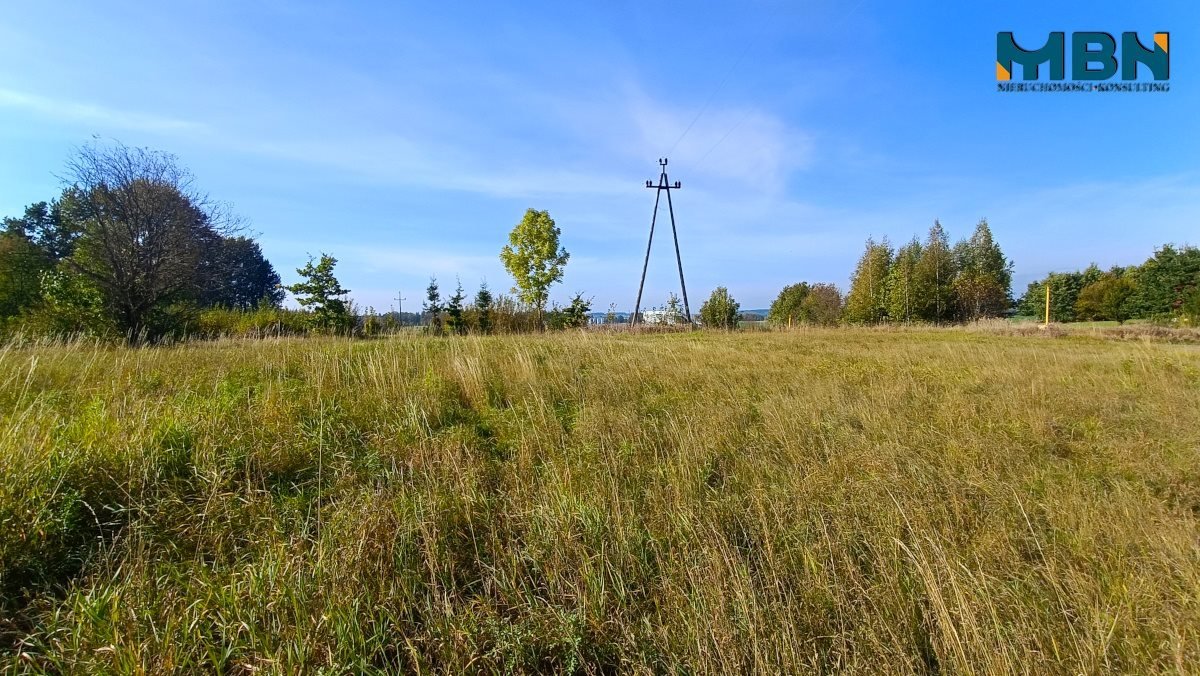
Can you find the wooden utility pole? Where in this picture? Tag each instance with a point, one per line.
(400, 307)
(663, 185)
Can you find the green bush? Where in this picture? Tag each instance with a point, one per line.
(69, 306)
(720, 311)
(573, 316)
(1191, 307)
(258, 323)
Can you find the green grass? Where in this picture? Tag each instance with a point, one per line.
(811, 501)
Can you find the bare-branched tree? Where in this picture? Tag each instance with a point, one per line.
(146, 231)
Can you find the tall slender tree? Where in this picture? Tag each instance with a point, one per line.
(866, 303)
(983, 286)
(454, 311)
(483, 308)
(935, 277)
(902, 283)
(433, 306)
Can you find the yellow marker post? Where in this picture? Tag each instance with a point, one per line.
(1047, 302)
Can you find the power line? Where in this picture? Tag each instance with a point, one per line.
(710, 98)
(721, 83)
(737, 124)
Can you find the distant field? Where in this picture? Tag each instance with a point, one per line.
(776, 502)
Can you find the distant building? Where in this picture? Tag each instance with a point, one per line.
(663, 317)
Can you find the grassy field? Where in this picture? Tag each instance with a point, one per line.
(811, 501)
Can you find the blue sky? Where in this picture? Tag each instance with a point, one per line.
(408, 138)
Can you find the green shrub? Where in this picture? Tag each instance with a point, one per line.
(259, 323)
(720, 311)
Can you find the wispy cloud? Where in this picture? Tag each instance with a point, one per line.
(439, 262)
(740, 143)
(391, 259)
(588, 144)
(96, 116)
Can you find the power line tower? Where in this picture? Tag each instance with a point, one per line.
(663, 185)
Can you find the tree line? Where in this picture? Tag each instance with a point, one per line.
(533, 256)
(931, 281)
(1164, 288)
(921, 282)
(129, 247)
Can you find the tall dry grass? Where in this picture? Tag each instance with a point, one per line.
(813, 501)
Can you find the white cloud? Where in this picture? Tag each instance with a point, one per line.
(741, 143)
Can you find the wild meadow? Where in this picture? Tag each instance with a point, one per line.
(808, 501)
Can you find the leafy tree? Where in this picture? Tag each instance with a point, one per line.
(816, 304)
(867, 301)
(454, 311)
(70, 305)
(935, 277)
(24, 226)
(433, 306)
(720, 311)
(321, 292)
(143, 231)
(786, 308)
(1191, 306)
(674, 309)
(1165, 280)
(1064, 291)
(610, 317)
(1106, 299)
(22, 264)
(978, 295)
(483, 308)
(534, 257)
(1032, 302)
(237, 275)
(902, 284)
(1157, 289)
(371, 324)
(48, 226)
(990, 260)
(822, 305)
(982, 286)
